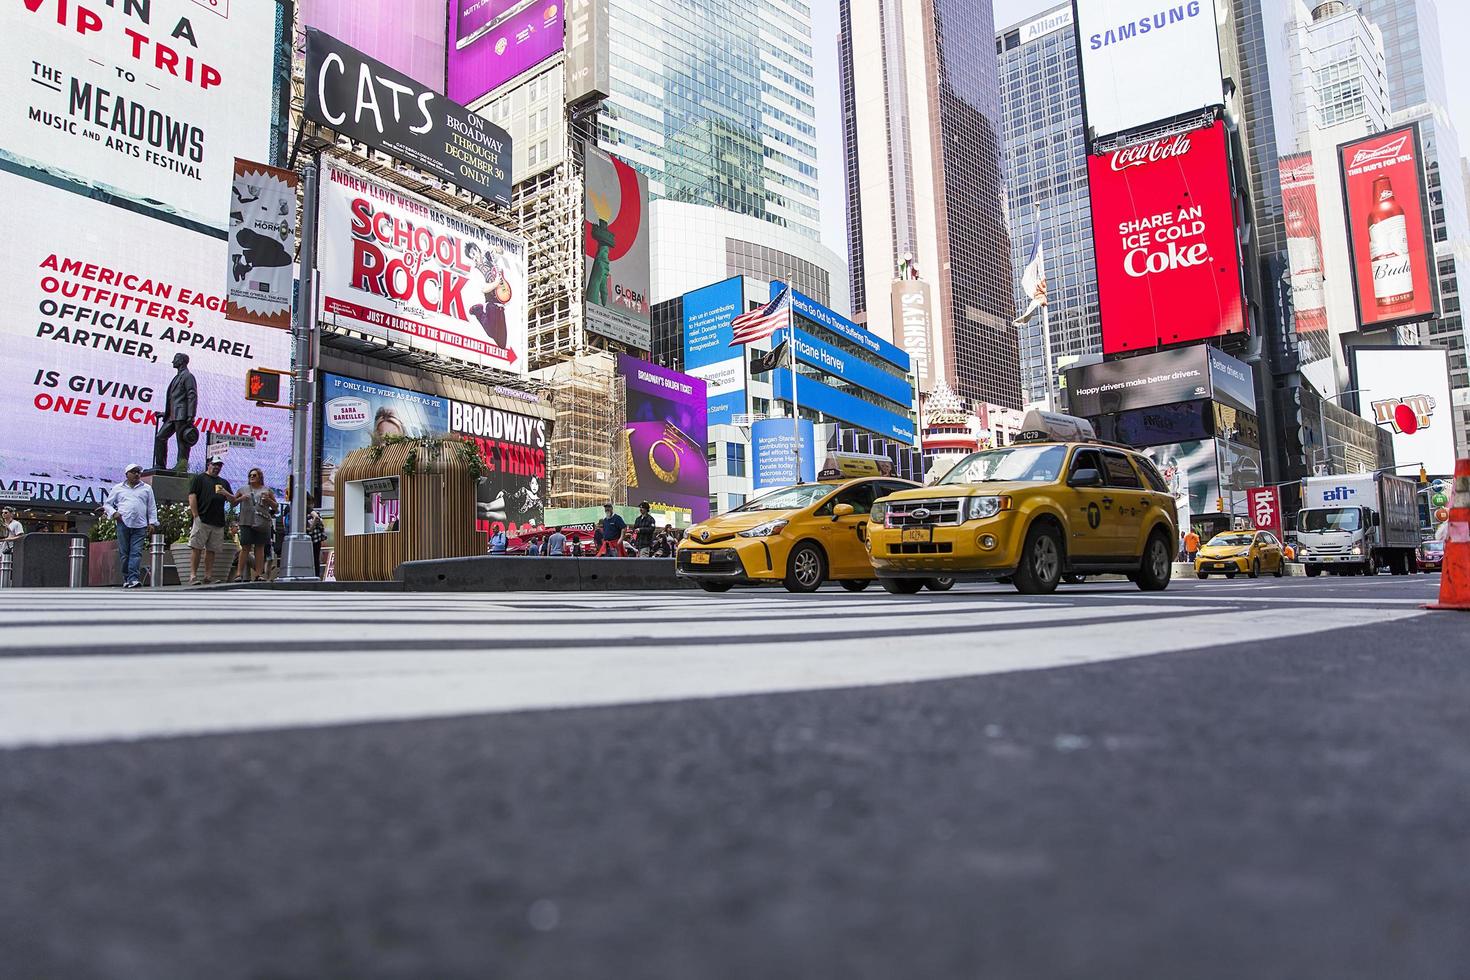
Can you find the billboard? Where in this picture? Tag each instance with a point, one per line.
(406, 35)
(815, 396)
(1406, 391)
(513, 493)
(588, 66)
(399, 267)
(149, 103)
(913, 315)
(847, 368)
(1139, 382)
(1144, 61)
(1389, 239)
(90, 323)
(832, 321)
(1163, 226)
(773, 453)
(365, 100)
(261, 271)
(1264, 506)
(1304, 242)
(665, 438)
(488, 48)
(615, 250)
(356, 412)
(708, 313)
(1192, 471)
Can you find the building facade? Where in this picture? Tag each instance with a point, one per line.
(922, 131)
(1046, 182)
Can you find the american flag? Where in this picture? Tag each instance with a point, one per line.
(760, 324)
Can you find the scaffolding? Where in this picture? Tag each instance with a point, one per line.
(587, 445)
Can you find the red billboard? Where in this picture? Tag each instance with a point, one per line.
(1384, 193)
(1163, 224)
(1304, 242)
(1265, 508)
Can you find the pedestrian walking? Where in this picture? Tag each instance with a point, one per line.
(533, 550)
(612, 528)
(208, 494)
(316, 529)
(644, 527)
(9, 528)
(498, 542)
(258, 510)
(556, 544)
(1191, 545)
(132, 505)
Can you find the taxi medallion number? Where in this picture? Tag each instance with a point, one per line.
(920, 534)
(699, 558)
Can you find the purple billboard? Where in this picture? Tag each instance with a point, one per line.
(404, 34)
(665, 437)
(488, 49)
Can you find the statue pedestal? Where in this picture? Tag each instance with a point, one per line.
(169, 486)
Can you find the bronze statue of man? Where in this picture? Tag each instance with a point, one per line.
(177, 420)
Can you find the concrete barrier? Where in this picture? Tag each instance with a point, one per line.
(43, 561)
(487, 573)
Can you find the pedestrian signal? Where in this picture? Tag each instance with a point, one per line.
(263, 386)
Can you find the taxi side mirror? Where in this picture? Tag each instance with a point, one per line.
(842, 510)
(1086, 478)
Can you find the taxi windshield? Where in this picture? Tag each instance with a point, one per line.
(1021, 464)
(789, 498)
(1231, 541)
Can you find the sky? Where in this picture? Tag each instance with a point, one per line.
(1454, 17)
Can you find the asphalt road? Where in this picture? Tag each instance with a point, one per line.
(1100, 784)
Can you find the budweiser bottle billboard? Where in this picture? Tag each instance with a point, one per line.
(1395, 279)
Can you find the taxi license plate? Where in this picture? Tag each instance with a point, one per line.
(699, 558)
(921, 534)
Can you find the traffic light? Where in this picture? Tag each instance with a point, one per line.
(263, 386)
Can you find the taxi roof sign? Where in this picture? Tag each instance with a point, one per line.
(1039, 426)
(850, 466)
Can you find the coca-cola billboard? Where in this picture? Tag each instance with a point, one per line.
(1304, 242)
(1163, 224)
(1384, 194)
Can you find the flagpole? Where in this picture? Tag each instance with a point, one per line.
(1046, 358)
(795, 411)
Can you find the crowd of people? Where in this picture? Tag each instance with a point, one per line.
(612, 537)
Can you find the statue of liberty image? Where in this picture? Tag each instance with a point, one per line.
(606, 241)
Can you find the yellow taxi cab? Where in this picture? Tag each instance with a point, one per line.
(801, 536)
(1056, 502)
(1241, 553)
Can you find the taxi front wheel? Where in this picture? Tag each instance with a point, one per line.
(902, 586)
(1041, 562)
(1157, 567)
(807, 568)
(855, 584)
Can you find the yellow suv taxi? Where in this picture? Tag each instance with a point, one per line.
(801, 536)
(1055, 503)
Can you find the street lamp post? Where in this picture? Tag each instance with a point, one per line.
(1322, 423)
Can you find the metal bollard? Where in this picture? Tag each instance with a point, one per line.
(156, 550)
(7, 563)
(78, 562)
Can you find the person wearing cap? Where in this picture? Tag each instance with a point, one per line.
(208, 494)
(132, 505)
(9, 528)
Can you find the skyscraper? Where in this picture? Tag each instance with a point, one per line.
(926, 223)
(1046, 181)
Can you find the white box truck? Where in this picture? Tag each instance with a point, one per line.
(1357, 524)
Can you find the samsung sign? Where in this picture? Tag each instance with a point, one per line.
(1144, 61)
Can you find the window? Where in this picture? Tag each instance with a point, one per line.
(1120, 472)
(737, 500)
(860, 496)
(735, 459)
(1086, 459)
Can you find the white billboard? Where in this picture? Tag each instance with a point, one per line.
(1406, 391)
(1147, 60)
(149, 102)
(399, 267)
(98, 301)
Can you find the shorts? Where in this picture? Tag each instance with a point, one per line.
(250, 537)
(206, 537)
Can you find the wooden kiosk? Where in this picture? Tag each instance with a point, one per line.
(405, 500)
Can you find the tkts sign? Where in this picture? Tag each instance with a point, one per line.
(1164, 229)
(1265, 508)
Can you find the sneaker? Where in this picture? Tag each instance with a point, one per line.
(130, 585)
(193, 581)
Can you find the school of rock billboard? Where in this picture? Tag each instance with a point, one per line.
(665, 438)
(1163, 221)
(149, 103)
(1389, 239)
(615, 246)
(90, 322)
(396, 266)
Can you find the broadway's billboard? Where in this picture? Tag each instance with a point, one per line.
(513, 446)
(488, 46)
(1163, 226)
(90, 324)
(399, 267)
(365, 100)
(1144, 61)
(665, 438)
(146, 102)
(1389, 238)
(615, 250)
(1406, 391)
(1304, 242)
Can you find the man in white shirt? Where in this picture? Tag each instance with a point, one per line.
(9, 528)
(132, 505)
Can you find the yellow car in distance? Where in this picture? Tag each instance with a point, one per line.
(801, 536)
(1241, 553)
(1054, 503)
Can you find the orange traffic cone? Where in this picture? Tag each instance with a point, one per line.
(1454, 586)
